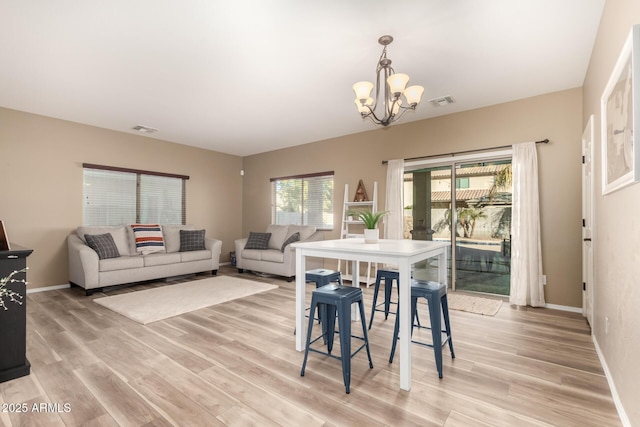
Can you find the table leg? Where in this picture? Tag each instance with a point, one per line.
(442, 267)
(404, 311)
(301, 332)
(355, 276)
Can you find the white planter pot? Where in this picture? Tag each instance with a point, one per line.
(371, 235)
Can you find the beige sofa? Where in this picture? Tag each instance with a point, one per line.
(88, 271)
(274, 259)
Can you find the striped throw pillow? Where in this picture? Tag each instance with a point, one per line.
(148, 238)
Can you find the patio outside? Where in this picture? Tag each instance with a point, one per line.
(483, 222)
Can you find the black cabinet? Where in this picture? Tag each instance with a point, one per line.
(13, 321)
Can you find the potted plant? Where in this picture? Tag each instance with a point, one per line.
(370, 220)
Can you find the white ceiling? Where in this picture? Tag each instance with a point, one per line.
(244, 77)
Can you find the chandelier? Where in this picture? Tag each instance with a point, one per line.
(395, 86)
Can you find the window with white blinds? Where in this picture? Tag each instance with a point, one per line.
(303, 200)
(113, 196)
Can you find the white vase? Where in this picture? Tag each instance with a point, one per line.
(371, 235)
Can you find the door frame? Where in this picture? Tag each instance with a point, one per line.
(588, 221)
(452, 160)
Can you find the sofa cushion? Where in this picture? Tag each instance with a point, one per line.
(278, 235)
(194, 255)
(119, 234)
(293, 238)
(191, 240)
(171, 234)
(254, 254)
(148, 237)
(103, 244)
(121, 263)
(272, 255)
(258, 240)
(305, 230)
(161, 259)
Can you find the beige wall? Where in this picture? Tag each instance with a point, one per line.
(41, 187)
(557, 116)
(617, 228)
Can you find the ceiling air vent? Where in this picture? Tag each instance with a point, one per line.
(144, 129)
(442, 101)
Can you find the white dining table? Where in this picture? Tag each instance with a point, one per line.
(400, 253)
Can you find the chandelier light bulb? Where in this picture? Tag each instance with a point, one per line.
(413, 94)
(397, 82)
(363, 90)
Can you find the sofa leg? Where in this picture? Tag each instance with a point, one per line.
(290, 279)
(89, 292)
(214, 272)
(240, 270)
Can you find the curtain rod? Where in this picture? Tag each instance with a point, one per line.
(384, 162)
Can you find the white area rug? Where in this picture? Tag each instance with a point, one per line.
(167, 301)
(478, 305)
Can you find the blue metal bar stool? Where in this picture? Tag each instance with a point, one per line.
(389, 277)
(322, 277)
(336, 299)
(436, 296)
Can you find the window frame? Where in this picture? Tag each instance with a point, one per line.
(139, 173)
(304, 206)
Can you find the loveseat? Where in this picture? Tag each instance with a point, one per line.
(107, 256)
(270, 251)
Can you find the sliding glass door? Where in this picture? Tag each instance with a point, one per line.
(469, 205)
(427, 197)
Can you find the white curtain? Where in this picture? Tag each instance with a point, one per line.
(526, 254)
(394, 221)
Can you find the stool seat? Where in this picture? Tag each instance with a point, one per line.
(436, 296)
(323, 276)
(335, 299)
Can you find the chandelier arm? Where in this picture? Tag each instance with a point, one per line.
(409, 107)
(375, 103)
(372, 115)
(400, 114)
(387, 98)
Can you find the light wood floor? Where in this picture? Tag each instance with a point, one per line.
(235, 364)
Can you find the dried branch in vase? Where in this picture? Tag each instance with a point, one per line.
(7, 293)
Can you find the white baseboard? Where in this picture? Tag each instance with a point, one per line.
(48, 288)
(564, 308)
(612, 386)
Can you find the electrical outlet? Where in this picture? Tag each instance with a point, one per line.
(606, 325)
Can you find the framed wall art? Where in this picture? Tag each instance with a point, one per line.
(620, 109)
(4, 239)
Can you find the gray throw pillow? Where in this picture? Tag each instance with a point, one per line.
(191, 240)
(293, 238)
(103, 244)
(258, 240)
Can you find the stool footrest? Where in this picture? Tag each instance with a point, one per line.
(444, 341)
(332, 355)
